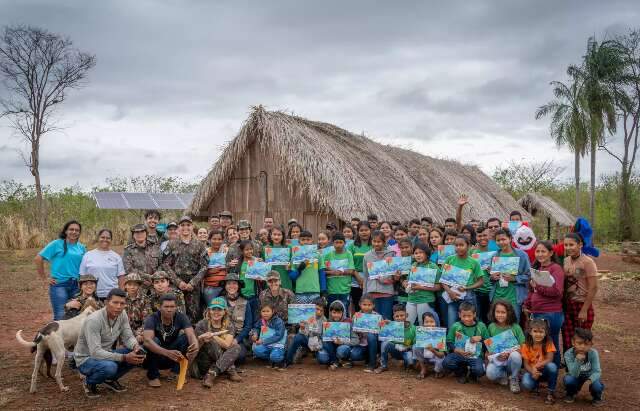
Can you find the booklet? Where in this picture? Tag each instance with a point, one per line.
(392, 331)
(484, 258)
(367, 323)
(257, 270)
(298, 313)
(277, 255)
(445, 251)
(435, 337)
(266, 332)
(379, 269)
(423, 276)
(506, 341)
(337, 265)
(505, 265)
(454, 276)
(542, 278)
(217, 260)
(292, 241)
(402, 264)
(462, 342)
(336, 329)
(326, 250)
(300, 253)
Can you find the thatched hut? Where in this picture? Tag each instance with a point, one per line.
(543, 207)
(286, 167)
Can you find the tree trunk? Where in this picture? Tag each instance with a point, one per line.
(577, 177)
(35, 171)
(592, 193)
(625, 204)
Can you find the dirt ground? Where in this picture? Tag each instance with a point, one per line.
(24, 305)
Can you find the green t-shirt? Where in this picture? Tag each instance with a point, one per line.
(358, 253)
(494, 330)
(309, 279)
(486, 285)
(424, 296)
(285, 281)
(477, 329)
(509, 292)
(466, 263)
(338, 284)
(249, 288)
(409, 334)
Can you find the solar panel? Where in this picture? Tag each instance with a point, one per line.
(186, 198)
(140, 200)
(143, 201)
(111, 200)
(168, 201)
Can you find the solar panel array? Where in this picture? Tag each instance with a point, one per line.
(143, 201)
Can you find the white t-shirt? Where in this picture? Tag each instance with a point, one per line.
(106, 266)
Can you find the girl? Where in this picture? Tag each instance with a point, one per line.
(505, 366)
(294, 233)
(545, 301)
(358, 249)
(368, 342)
(380, 289)
(202, 234)
(406, 250)
(580, 288)
(385, 227)
(483, 299)
(421, 299)
(429, 354)
(211, 283)
(88, 285)
(249, 289)
(64, 255)
(508, 287)
(435, 239)
(324, 241)
(105, 264)
(268, 336)
(347, 231)
(537, 356)
(423, 235)
(399, 234)
(462, 260)
(470, 233)
(276, 240)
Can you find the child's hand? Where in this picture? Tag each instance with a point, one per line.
(462, 352)
(476, 339)
(507, 277)
(503, 356)
(495, 276)
(462, 289)
(254, 338)
(259, 342)
(581, 357)
(337, 341)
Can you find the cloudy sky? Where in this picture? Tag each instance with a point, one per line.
(175, 79)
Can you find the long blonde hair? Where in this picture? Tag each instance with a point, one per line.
(224, 322)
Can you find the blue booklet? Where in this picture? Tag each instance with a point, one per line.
(435, 337)
(336, 329)
(379, 269)
(367, 323)
(454, 276)
(484, 258)
(293, 241)
(217, 260)
(423, 276)
(337, 265)
(266, 332)
(462, 342)
(257, 270)
(326, 250)
(402, 264)
(506, 341)
(392, 331)
(298, 313)
(445, 251)
(505, 265)
(277, 255)
(300, 253)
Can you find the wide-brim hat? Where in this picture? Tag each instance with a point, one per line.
(138, 228)
(87, 277)
(133, 278)
(232, 277)
(226, 214)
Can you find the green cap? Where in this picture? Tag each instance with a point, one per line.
(218, 302)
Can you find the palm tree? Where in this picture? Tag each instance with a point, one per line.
(568, 123)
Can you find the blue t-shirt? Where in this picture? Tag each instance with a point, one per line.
(492, 246)
(63, 267)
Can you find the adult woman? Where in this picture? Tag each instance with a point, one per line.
(218, 349)
(202, 234)
(581, 286)
(64, 255)
(105, 264)
(240, 312)
(469, 232)
(231, 237)
(545, 301)
(87, 284)
(385, 227)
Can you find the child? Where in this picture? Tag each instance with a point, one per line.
(358, 249)
(308, 281)
(135, 304)
(323, 240)
(464, 341)
(505, 367)
(435, 239)
(421, 298)
(276, 240)
(338, 281)
(583, 365)
(309, 335)
(483, 299)
(338, 353)
(268, 337)
(250, 286)
(211, 283)
(161, 286)
(380, 289)
(293, 237)
(347, 231)
(429, 354)
(368, 342)
(537, 357)
(398, 351)
(406, 250)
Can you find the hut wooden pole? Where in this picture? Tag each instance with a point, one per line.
(548, 228)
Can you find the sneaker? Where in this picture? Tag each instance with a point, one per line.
(368, 369)
(279, 366)
(297, 357)
(90, 390)
(114, 386)
(514, 385)
(208, 380)
(155, 383)
(233, 375)
(570, 399)
(550, 399)
(597, 402)
(347, 364)
(462, 379)
(333, 366)
(380, 370)
(503, 381)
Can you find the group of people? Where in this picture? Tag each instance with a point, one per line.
(184, 296)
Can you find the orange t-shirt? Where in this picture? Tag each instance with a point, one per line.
(533, 355)
(576, 272)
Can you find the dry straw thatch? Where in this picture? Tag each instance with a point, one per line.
(537, 204)
(351, 175)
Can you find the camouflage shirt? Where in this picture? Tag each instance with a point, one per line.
(184, 261)
(279, 302)
(136, 311)
(144, 260)
(69, 313)
(152, 302)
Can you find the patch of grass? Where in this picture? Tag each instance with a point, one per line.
(359, 403)
(462, 401)
(605, 328)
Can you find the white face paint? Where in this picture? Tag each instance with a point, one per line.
(524, 238)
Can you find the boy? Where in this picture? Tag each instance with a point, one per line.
(368, 342)
(338, 353)
(464, 340)
(338, 279)
(583, 365)
(308, 280)
(136, 303)
(310, 334)
(399, 351)
(161, 286)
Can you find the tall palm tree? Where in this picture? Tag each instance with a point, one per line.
(569, 123)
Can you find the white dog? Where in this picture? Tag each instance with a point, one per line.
(53, 340)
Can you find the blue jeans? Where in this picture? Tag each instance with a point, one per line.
(344, 298)
(299, 340)
(555, 321)
(384, 307)
(415, 312)
(389, 347)
(452, 307)
(573, 386)
(268, 353)
(458, 365)
(511, 368)
(549, 374)
(156, 362)
(59, 294)
(442, 308)
(331, 353)
(370, 351)
(99, 371)
(483, 304)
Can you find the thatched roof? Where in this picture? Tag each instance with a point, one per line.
(351, 175)
(536, 203)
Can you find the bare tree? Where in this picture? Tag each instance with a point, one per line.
(519, 178)
(39, 68)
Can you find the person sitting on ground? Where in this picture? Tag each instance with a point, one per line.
(94, 355)
(218, 349)
(268, 336)
(87, 284)
(399, 351)
(240, 313)
(429, 354)
(164, 341)
(161, 286)
(309, 336)
(583, 365)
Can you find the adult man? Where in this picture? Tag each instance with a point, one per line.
(276, 296)
(94, 355)
(332, 228)
(162, 286)
(493, 224)
(183, 260)
(450, 223)
(414, 227)
(267, 223)
(171, 234)
(168, 338)
(354, 224)
(141, 256)
(151, 220)
(373, 221)
(226, 220)
(244, 232)
(214, 223)
(427, 223)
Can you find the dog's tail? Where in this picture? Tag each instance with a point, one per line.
(32, 344)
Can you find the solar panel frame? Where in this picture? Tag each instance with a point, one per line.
(111, 200)
(142, 201)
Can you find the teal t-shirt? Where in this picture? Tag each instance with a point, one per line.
(64, 266)
(338, 284)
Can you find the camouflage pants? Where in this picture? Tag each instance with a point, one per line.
(212, 356)
(192, 304)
